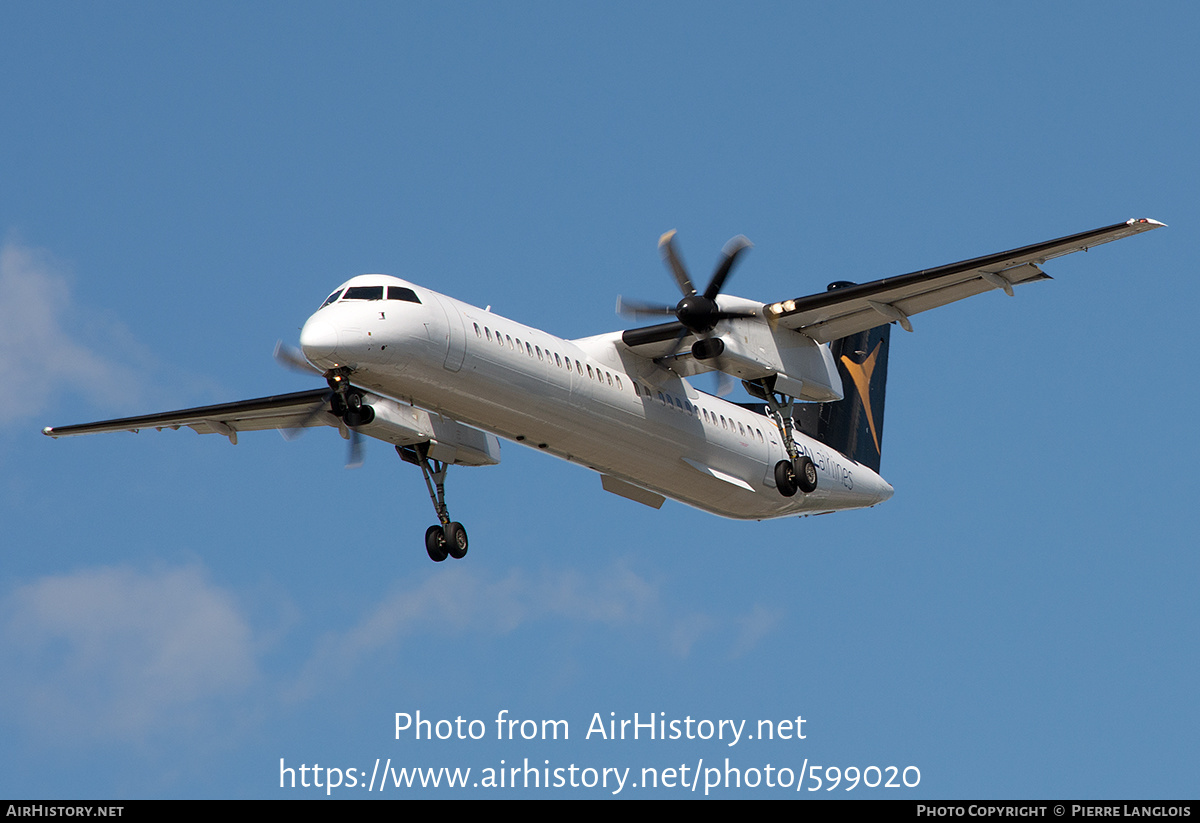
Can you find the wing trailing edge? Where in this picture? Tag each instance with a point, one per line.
(831, 315)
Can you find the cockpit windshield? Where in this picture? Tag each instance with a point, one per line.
(401, 293)
(363, 293)
(374, 293)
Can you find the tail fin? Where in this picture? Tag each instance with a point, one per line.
(853, 425)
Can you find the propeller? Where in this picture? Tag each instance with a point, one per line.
(725, 384)
(292, 358)
(697, 312)
(355, 451)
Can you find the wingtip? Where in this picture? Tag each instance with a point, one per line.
(1147, 221)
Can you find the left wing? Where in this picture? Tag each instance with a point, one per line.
(854, 308)
(283, 411)
(393, 422)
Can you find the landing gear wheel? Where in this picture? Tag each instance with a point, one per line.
(435, 543)
(806, 475)
(785, 478)
(456, 540)
(447, 538)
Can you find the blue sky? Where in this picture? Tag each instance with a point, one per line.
(182, 186)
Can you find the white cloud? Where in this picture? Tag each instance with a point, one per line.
(120, 654)
(39, 347)
(462, 600)
(760, 622)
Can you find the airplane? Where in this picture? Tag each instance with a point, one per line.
(443, 381)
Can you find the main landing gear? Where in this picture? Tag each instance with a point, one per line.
(797, 473)
(446, 539)
(788, 480)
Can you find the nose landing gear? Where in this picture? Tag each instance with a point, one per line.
(447, 538)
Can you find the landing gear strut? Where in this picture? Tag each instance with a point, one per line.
(446, 539)
(797, 473)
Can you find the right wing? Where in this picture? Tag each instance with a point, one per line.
(850, 309)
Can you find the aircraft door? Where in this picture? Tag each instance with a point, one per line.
(455, 335)
(581, 384)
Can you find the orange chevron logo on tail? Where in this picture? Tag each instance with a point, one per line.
(860, 373)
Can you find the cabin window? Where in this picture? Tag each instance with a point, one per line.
(619, 388)
(538, 349)
(557, 360)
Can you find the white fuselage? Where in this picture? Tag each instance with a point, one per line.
(590, 401)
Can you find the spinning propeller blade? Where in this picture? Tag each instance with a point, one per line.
(698, 313)
(292, 358)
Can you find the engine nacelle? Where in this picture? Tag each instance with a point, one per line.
(751, 348)
(449, 441)
(799, 366)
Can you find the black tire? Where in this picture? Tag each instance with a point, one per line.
(806, 475)
(785, 478)
(435, 544)
(456, 541)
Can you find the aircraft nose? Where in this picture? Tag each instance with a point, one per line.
(318, 340)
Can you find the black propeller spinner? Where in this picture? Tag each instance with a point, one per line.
(697, 312)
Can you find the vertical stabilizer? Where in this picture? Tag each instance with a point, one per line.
(853, 425)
